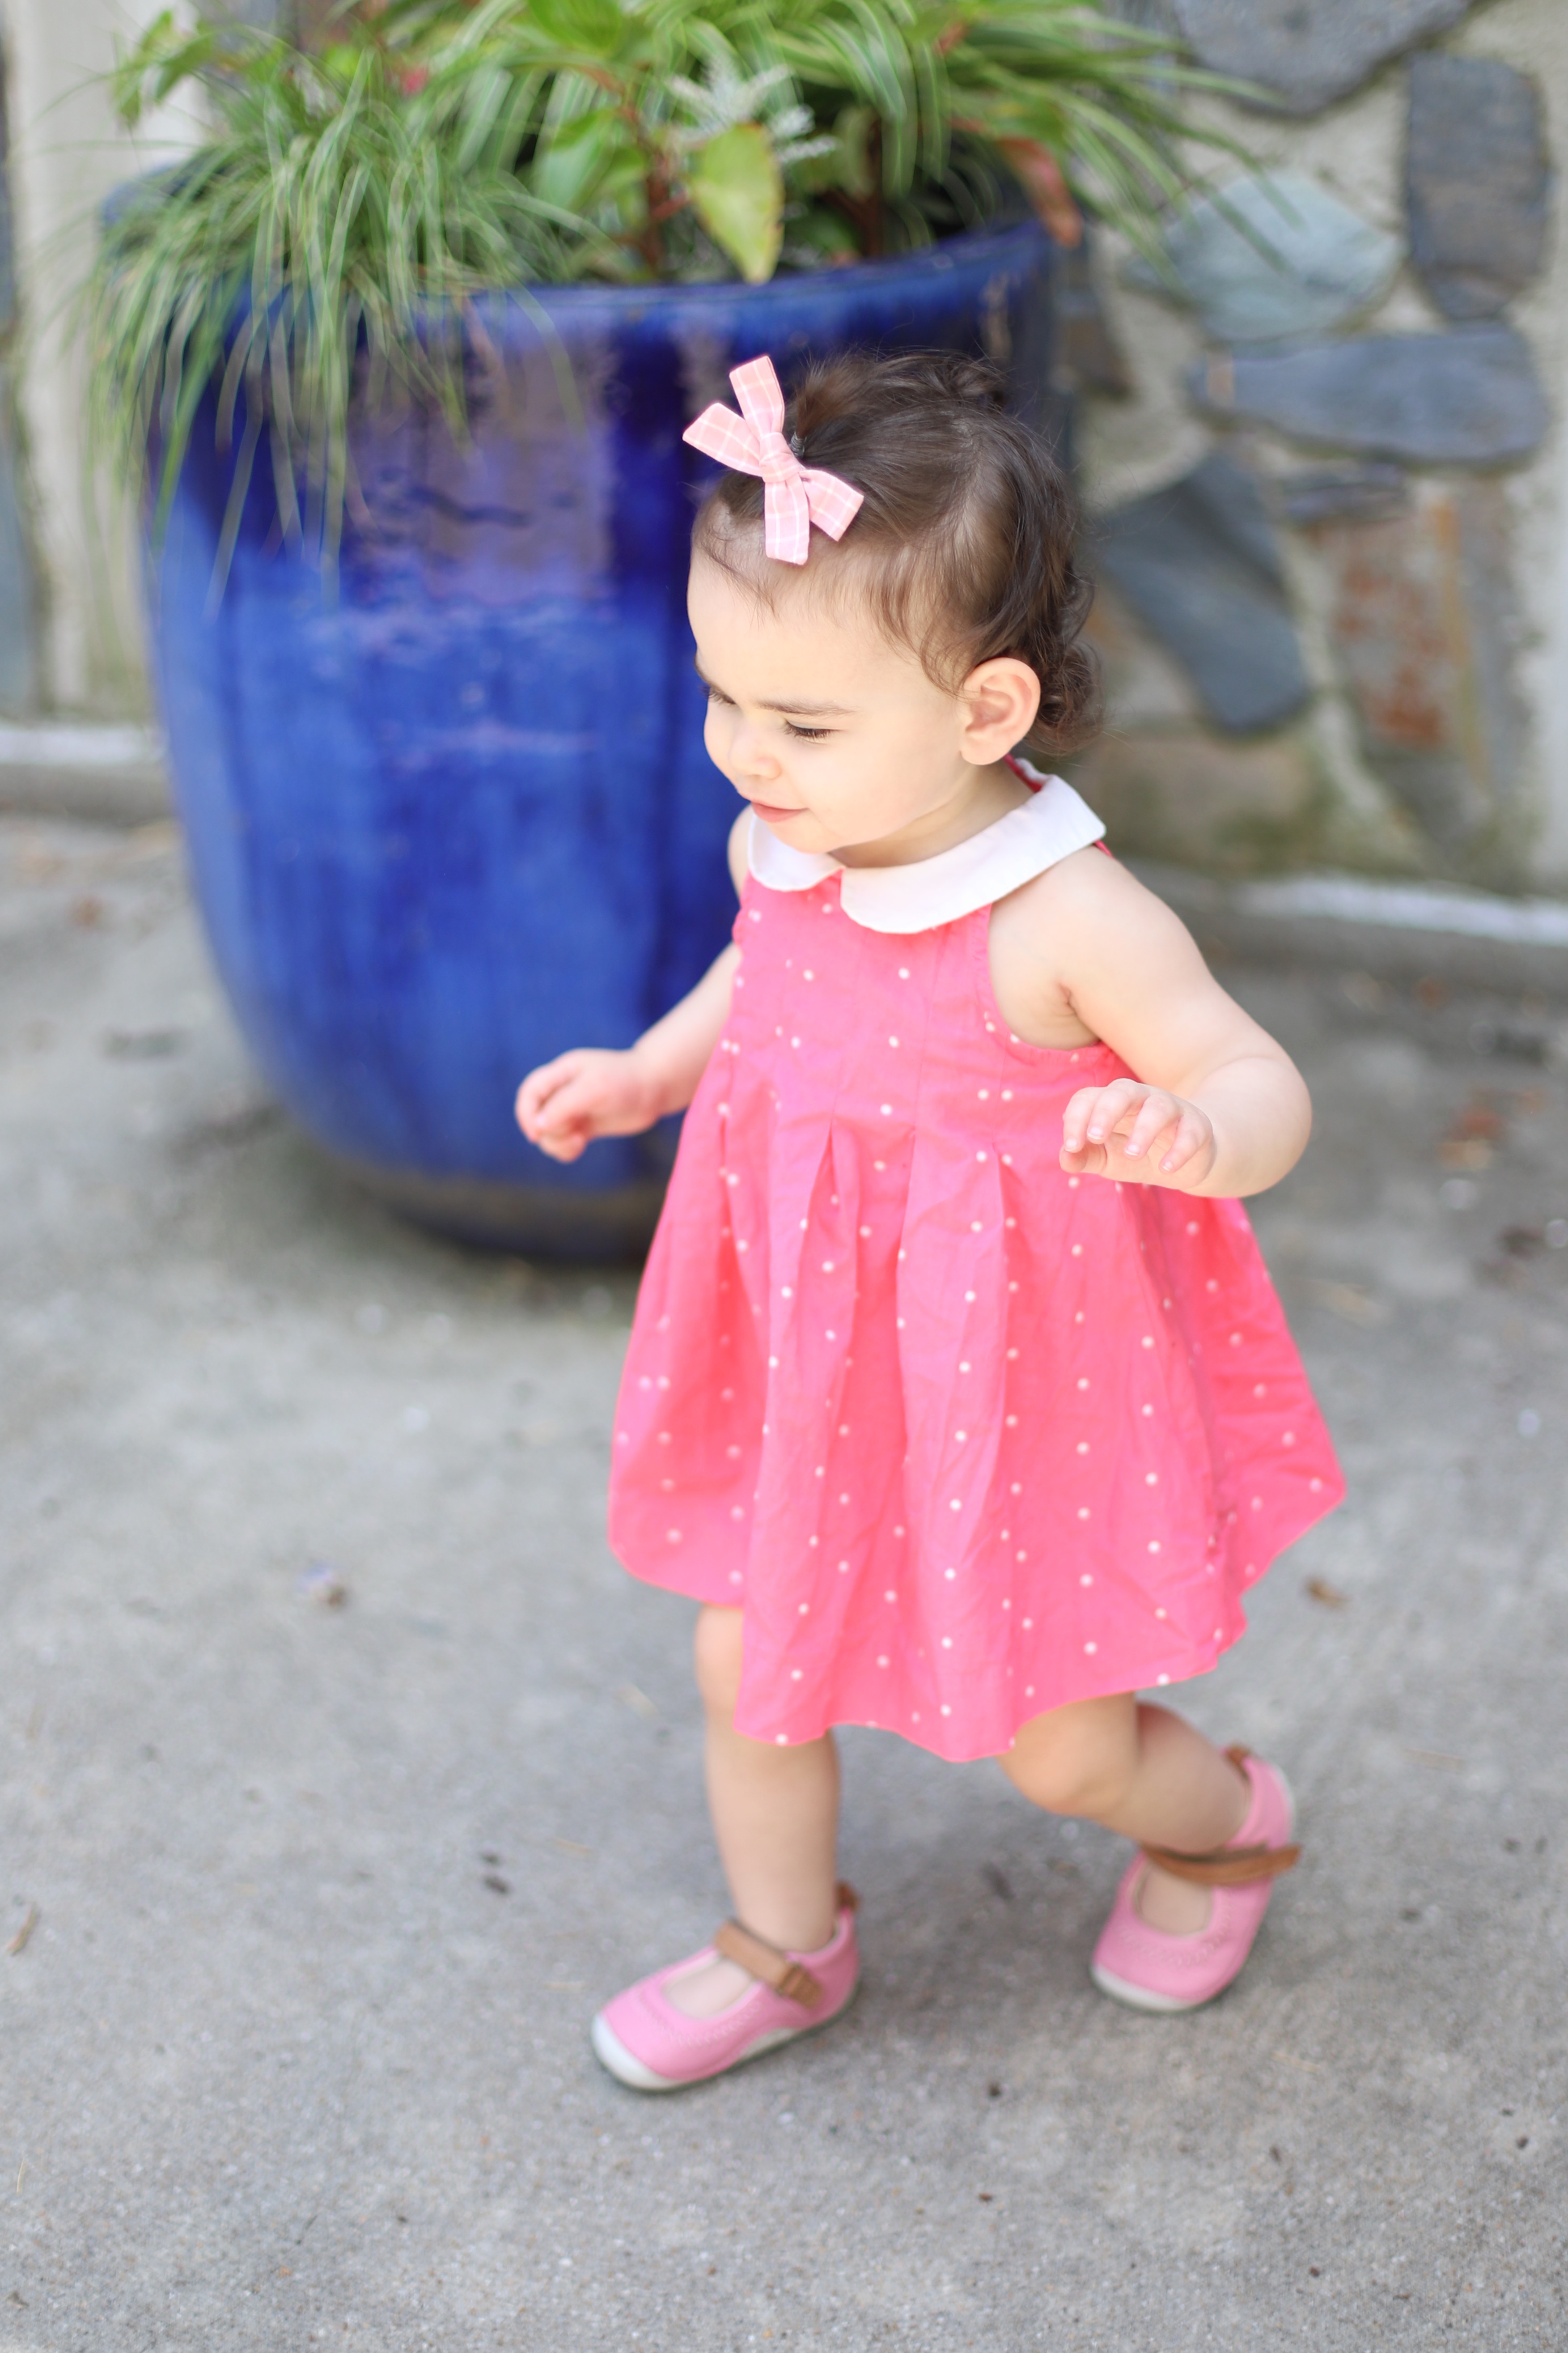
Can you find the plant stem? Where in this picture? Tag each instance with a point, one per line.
(650, 245)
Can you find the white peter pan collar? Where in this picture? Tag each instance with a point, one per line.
(1050, 826)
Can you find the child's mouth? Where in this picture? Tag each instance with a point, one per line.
(770, 812)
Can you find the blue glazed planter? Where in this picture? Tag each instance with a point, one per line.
(461, 818)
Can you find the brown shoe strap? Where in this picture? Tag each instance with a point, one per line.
(1227, 1866)
(773, 1966)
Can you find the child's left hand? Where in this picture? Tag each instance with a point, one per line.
(1141, 1134)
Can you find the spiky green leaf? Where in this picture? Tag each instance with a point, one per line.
(327, 245)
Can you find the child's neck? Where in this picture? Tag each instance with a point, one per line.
(979, 798)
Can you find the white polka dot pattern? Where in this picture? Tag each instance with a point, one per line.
(990, 1438)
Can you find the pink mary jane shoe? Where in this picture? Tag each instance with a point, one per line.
(1151, 1969)
(646, 2042)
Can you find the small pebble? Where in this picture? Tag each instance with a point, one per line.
(321, 1582)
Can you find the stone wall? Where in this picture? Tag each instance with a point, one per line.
(1325, 468)
(70, 634)
(1329, 491)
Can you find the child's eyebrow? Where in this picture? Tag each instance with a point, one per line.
(789, 710)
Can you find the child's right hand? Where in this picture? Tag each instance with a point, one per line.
(590, 1091)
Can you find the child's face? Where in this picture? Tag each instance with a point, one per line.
(836, 737)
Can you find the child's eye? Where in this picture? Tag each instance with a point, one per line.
(714, 693)
(806, 734)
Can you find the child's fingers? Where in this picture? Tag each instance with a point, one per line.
(1116, 1102)
(1093, 1112)
(1131, 1129)
(539, 1086)
(1158, 1112)
(1194, 1134)
(575, 1108)
(1075, 1119)
(556, 1102)
(563, 1144)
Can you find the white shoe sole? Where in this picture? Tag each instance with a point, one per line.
(1174, 2005)
(1136, 1997)
(626, 2068)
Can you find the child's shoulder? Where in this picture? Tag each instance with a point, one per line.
(1085, 931)
(1081, 901)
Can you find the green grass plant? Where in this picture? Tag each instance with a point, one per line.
(362, 187)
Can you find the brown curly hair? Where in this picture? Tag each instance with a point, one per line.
(964, 550)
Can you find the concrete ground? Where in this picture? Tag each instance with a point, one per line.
(321, 1897)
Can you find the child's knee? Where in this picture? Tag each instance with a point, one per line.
(717, 1651)
(1075, 1760)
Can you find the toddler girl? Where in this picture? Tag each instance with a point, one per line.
(958, 1395)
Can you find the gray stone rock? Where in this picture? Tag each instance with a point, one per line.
(1151, 15)
(1197, 562)
(1477, 177)
(1470, 397)
(1368, 493)
(1309, 52)
(1424, 624)
(1272, 259)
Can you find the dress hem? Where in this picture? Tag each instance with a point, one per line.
(1152, 1675)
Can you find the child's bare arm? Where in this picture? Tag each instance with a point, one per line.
(1216, 1107)
(591, 1091)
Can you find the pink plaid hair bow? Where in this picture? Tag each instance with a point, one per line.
(795, 496)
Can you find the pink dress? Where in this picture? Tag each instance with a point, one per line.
(965, 1438)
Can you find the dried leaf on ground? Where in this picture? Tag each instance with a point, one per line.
(1473, 1135)
(1351, 1301)
(18, 1942)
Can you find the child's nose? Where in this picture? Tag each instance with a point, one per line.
(752, 751)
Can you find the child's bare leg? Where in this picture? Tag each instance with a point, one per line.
(776, 1817)
(1144, 1772)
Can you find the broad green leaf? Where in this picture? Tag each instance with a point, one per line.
(737, 192)
(595, 27)
(570, 168)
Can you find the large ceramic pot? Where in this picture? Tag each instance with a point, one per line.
(457, 816)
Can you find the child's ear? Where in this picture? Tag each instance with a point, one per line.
(1002, 702)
